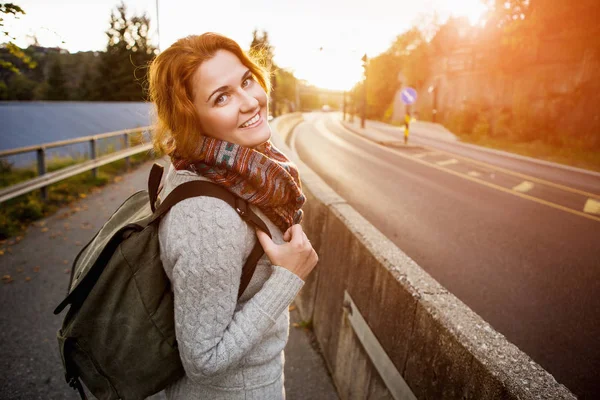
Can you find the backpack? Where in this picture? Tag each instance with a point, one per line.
(118, 335)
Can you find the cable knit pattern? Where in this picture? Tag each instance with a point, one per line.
(230, 348)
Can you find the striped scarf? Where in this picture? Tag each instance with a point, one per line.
(262, 176)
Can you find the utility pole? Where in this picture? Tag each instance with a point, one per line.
(274, 96)
(434, 114)
(364, 104)
(157, 27)
(297, 87)
(352, 105)
(344, 106)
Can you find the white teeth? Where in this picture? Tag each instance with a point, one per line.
(251, 121)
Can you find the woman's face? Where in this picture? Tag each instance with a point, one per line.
(231, 104)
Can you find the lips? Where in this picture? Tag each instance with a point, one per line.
(251, 121)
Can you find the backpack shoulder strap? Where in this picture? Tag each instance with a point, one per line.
(154, 178)
(203, 188)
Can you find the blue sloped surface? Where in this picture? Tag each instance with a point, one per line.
(30, 123)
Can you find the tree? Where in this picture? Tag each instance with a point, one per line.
(382, 84)
(57, 89)
(13, 49)
(128, 51)
(287, 85)
(85, 89)
(21, 88)
(504, 13)
(261, 49)
(409, 55)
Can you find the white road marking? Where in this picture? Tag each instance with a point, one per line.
(523, 187)
(592, 206)
(421, 155)
(474, 173)
(447, 162)
(488, 184)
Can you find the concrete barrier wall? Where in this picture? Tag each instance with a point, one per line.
(442, 349)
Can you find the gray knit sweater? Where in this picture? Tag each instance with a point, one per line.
(230, 349)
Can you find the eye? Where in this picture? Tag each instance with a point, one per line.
(221, 99)
(247, 82)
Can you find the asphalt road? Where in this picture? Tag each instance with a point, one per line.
(512, 243)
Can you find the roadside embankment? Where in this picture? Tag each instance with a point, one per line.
(419, 340)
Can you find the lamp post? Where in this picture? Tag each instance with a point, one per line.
(365, 60)
(344, 106)
(157, 28)
(433, 89)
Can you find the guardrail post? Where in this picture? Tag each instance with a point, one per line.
(93, 156)
(125, 146)
(41, 164)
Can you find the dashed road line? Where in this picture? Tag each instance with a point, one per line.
(451, 161)
(523, 187)
(592, 206)
(489, 184)
(421, 155)
(517, 174)
(474, 173)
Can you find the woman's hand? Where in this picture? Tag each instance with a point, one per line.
(297, 255)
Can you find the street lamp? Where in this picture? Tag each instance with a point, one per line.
(365, 60)
(433, 89)
(157, 28)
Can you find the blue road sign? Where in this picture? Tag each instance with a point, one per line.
(408, 95)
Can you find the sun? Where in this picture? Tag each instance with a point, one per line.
(330, 70)
(474, 10)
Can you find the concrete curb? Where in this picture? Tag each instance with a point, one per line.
(440, 346)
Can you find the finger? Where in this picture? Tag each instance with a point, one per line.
(265, 241)
(297, 234)
(287, 235)
(315, 258)
(305, 237)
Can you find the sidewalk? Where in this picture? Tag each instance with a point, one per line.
(35, 272)
(390, 135)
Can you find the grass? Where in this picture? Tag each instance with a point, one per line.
(569, 154)
(18, 213)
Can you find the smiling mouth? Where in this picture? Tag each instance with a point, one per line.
(252, 121)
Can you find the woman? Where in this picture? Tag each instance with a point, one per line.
(211, 104)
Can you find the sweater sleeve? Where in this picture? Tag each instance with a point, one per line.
(206, 239)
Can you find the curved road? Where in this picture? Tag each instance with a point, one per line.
(518, 249)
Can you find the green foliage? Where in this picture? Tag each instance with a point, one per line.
(310, 101)
(507, 13)
(20, 87)
(13, 49)
(412, 50)
(481, 126)
(409, 58)
(285, 89)
(57, 89)
(262, 50)
(17, 213)
(121, 71)
(118, 74)
(383, 83)
(10, 176)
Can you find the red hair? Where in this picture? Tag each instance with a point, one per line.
(171, 89)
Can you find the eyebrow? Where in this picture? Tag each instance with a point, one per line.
(223, 88)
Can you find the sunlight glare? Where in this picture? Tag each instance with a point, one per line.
(475, 12)
(330, 69)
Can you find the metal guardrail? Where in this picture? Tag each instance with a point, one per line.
(45, 179)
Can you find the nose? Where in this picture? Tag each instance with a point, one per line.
(249, 103)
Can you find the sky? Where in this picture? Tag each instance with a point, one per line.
(321, 41)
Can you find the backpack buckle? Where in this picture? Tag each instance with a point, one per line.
(75, 384)
(242, 208)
